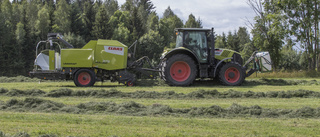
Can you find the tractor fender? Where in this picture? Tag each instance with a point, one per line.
(219, 63)
(180, 51)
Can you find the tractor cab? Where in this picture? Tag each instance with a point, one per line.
(195, 40)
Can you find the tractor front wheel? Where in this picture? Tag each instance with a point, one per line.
(231, 74)
(84, 78)
(179, 70)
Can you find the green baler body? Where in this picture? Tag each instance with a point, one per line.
(102, 54)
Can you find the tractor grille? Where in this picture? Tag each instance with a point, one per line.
(225, 53)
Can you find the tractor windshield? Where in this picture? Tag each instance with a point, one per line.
(179, 41)
(196, 41)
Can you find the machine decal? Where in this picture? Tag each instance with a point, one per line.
(114, 50)
(218, 52)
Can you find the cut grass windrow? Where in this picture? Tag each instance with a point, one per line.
(135, 109)
(199, 94)
(159, 82)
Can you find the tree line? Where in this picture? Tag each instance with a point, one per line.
(25, 22)
(288, 29)
(281, 25)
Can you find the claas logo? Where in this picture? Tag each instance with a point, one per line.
(115, 48)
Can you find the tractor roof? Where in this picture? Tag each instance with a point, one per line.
(191, 29)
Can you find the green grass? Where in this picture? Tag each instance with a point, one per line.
(48, 86)
(108, 125)
(287, 74)
(66, 124)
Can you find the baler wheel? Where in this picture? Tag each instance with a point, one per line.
(84, 78)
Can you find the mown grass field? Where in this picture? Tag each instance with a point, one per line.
(260, 107)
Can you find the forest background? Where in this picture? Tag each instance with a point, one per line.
(288, 29)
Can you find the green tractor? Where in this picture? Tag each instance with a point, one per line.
(194, 57)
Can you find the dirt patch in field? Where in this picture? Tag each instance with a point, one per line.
(135, 109)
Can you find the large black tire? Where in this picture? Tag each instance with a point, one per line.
(231, 74)
(179, 70)
(84, 78)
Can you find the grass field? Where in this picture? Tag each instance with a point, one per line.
(112, 125)
(33, 119)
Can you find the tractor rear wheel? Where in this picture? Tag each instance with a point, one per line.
(231, 74)
(84, 78)
(179, 70)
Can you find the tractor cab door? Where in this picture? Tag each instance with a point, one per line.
(196, 41)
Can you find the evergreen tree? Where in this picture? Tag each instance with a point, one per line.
(166, 29)
(7, 38)
(62, 19)
(88, 17)
(16, 14)
(30, 38)
(43, 23)
(2, 36)
(51, 8)
(101, 28)
(221, 41)
(6, 10)
(168, 13)
(75, 40)
(31, 17)
(233, 41)
(145, 8)
(139, 12)
(20, 34)
(244, 36)
(112, 6)
(153, 22)
(193, 23)
(19, 60)
(245, 43)
(137, 25)
(76, 21)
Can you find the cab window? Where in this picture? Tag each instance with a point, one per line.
(197, 42)
(179, 41)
